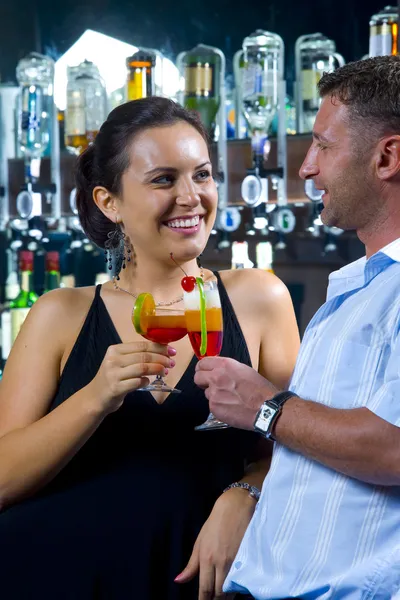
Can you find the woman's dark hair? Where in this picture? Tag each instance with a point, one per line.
(104, 162)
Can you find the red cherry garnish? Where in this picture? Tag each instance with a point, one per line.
(188, 283)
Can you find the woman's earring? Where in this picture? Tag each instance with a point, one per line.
(112, 247)
(127, 252)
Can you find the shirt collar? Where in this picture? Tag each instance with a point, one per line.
(361, 271)
(392, 250)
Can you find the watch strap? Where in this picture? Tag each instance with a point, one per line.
(275, 404)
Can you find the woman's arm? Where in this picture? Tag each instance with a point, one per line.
(34, 445)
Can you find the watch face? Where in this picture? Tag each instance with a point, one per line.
(268, 412)
(264, 419)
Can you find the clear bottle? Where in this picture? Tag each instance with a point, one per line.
(315, 55)
(35, 75)
(140, 79)
(86, 106)
(383, 31)
(261, 72)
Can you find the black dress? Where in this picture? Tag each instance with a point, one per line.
(119, 522)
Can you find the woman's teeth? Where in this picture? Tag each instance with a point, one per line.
(184, 222)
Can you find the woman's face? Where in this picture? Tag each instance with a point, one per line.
(169, 198)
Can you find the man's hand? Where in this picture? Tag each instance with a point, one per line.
(235, 391)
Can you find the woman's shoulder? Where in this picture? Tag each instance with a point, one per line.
(254, 285)
(62, 308)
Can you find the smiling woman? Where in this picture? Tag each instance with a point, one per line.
(109, 489)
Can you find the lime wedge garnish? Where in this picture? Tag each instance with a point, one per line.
(144, 307)
(203, 321)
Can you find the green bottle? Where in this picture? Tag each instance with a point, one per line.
(20, 306)
(202, 67)
(52, 274)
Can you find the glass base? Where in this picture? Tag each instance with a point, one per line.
(159, 385)
(211, 423)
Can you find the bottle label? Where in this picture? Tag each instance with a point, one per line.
(259, 82)
(31, 98)
(381, 40)
(18, 316)
(310, 81)
(199, 80)
(75, 118)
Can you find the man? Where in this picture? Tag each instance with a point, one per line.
(327, 524)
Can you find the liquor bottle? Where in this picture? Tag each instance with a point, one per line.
(260, 72)
(264, 256)
(86, 106)
(140, 79)
(202, 66)
(383, 31)
(240, 256)
(20, 306)
(12, 290)
(315, 54)
(35, 74)
(68, 277)
(52, 272)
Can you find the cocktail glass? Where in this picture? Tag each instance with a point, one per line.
(209, 342)
(163, 326)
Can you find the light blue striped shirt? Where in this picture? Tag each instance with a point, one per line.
(317, 533)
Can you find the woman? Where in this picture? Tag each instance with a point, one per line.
(106, 489)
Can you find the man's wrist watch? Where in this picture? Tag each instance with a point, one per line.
(269, 412)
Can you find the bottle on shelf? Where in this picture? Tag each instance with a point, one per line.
(52, 271)
(264, 256)
(383, 32)
(140, 80)
(240, 256)
(201, 71)
(86, 106)
(68, 277)
(35, 74)
(20, 306)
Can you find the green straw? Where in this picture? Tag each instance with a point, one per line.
(203, 321)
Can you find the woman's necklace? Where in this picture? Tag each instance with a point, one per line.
(179, 299)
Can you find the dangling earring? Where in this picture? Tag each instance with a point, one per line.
(112, 246)
(127, 251)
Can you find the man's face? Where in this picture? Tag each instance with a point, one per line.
(340, 165)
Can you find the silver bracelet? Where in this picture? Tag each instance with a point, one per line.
(254, 492)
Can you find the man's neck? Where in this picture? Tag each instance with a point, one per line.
(380, 234)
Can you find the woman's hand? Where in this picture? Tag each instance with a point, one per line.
(125, 368)
(218, 542)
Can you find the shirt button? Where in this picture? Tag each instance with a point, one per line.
(238, 564)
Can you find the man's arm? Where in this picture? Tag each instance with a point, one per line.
(363, 443)
(355, 442)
